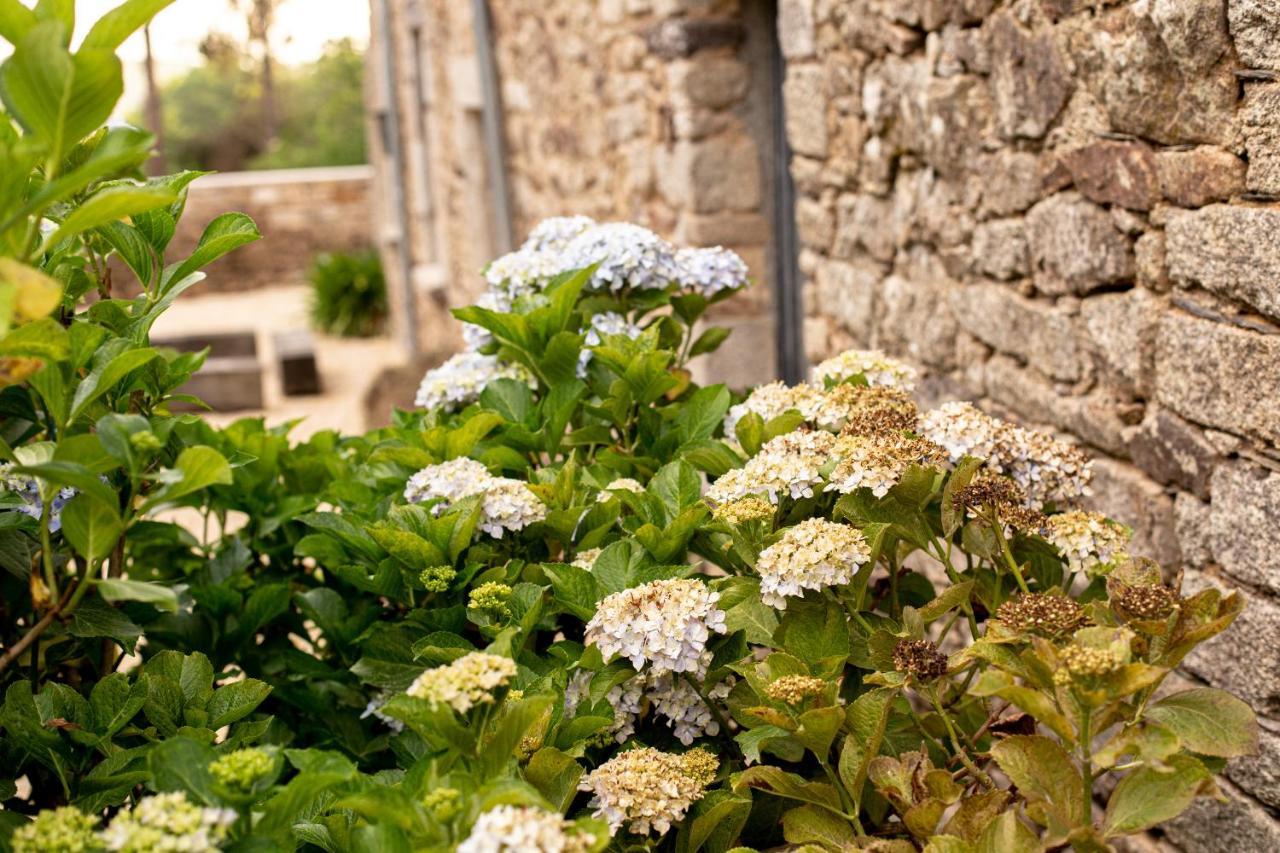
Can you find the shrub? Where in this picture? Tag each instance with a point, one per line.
(348, 294)
(576, 602)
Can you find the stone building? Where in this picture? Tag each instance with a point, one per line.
(1066, 210)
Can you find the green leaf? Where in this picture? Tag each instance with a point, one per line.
(115, 589)
(575, 589)
(677, 485)
(1149, 795)
(198, 468)
(555, 774)
(224, 235)
(812, 825)
(95, 618)
(113, 702)
(235, 701)
(1043, 772)
(182, 764)
(752, 616)
(44, 338)
(1209, 721)
(749, 430)
(109, 205)
(92, 527)
(113, 28)
(710, 340)
(868, 719)
(106, 373)
(714, 823)
(1007, 834)
(776, 781)
(16, 20)
(59, 98)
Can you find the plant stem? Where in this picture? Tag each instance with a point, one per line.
(998, 528)
(46, 550)
(975, 771)
(1086, 765)
(16, 650)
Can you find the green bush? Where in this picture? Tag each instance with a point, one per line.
(348, 294)
(574, 602)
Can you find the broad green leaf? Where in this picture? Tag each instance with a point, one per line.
(555, 774)
(30, 293)
(107, 373)
(1209, 721)
(113, 28)
(224, 235)
(115, 589)
(91, 526)
(714, 822)
(1043, 772)
(1007, 834)
(44, 339)
(235, 701)
(812, 825)
(16, 20)
(113, 702)
(95, 618)
(776, 781)
(1149, 795)
(109, 205)
(197, 468)
(182, 764)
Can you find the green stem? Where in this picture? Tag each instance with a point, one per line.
(46, 550)
(1086, 765)
(1007, 552)
(975, 771)
(846, 800)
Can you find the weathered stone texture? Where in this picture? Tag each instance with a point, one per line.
(1261, 123)
(1199, 176)
(804, 94)
(1242, 659)
(1122, 173)
(1122, 327)
(1243, 524)
(1255, 28)
(1075, 246)
(1219, 375)
(1042, 335)
(1230, 250)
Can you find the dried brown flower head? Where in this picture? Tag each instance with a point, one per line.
(1045, 614)
(920, 659)
(867, 410)
(991, 493)
(1085, 663)
(1134, 601)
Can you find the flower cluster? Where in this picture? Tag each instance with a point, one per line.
(1142, 601)
(628, 257)
(995, 499)
(469, 681)
(665, 623)
(647, 790)
(506, 504)
(814, 554)
(770, 400)
(437, 578)
(667, 695)
(62, 830)
(872, 365)
(1045, 614)
(241, 769)
(604, 323)
(919, 659)
(794, 689)
(865, 410)
(29, 491)
(743, 510)
(1089, 540)
(788, 465)
(168, 822)
(586, 559)
(520, 273)
(878, 461)
(493, 598)
(523, 829)
(710, 271)
(1083, 664)
(1048, 470)
(552, 235)
(461, 380)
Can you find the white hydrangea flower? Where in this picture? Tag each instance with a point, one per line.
(873, 365)
(646, 790)
(665, 622)
(555, 233)
(668, 696)
(1089, 540)
(579, 688)
(374, 709)
(877, 462)
(459, 382)
(962, 430)
(509, 505)
(469, 681)
(814, 554)
(629, 256)
(624, 483)
(787, 465)
(710, 271)
(586, 559)
(522, 272)
(449, 481)
(769, 401)
(29, 491)
(168, 822)
(524, 829)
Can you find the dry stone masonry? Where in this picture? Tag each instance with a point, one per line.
(1069, 211)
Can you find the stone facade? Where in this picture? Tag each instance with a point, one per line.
(1065, 210)
(1068, 211)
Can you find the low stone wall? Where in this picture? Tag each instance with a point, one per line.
(300, 212)
(1067, 210)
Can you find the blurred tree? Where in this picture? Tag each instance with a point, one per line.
(261, 17)
(213, 113)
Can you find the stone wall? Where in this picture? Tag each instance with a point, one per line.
(1067, 210)
(300, 212)
(654, 111)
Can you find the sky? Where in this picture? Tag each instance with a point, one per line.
(302, 29)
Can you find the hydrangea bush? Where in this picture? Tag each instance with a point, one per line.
(572, 602)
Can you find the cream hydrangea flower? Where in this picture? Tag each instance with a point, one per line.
(624, 483)
(877, 462)
(864, 410)
(461, 380)
(506, 504)
(646, 790)
(1089, 540)
(814, 554)
(522, 272)
(787, 465)
(168, 822)
(669, 696)
(872, 365)
(62, 830)
(469, 681)
(962, 429)
(586, 559)
(769, 401)
(524, 829)
(665, 622)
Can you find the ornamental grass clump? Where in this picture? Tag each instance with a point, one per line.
(573, 601)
